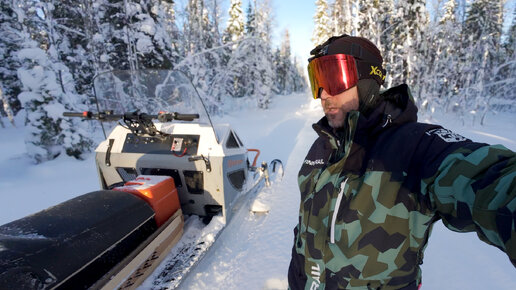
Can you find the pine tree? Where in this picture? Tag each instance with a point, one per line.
(509, 94)
(213, 20)
(448, 37)
(341, 17)
(283, 67)
(369, 23)
(409, 26)
(482, 36)
(114, 31)
(439, 61)
(6, 107)
(387, 37)
(511, 37)
(322, 30)
(10, 29)
(250, 24)
(299, 83)
(235, 26)
(153, 43)
(48, 90)
(74, 44)
(264, 20)
(168, 17)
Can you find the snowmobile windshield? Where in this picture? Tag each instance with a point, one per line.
(150, 92)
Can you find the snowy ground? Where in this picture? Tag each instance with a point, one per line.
(254, 251)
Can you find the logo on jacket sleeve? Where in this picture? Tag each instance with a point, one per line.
(446, 135)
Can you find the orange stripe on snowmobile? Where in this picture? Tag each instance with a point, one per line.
(159, 192)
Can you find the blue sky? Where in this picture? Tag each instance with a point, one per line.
(297, 17)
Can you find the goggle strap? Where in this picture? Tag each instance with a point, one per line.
(369, 70)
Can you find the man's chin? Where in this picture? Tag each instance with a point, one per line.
(334, 122)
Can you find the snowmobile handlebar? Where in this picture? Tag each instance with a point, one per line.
(109, 116)
(138, 123)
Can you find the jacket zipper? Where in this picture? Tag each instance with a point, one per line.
(336, 210)
(307, 222)
(388, 121)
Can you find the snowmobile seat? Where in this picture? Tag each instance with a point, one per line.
(73, 244)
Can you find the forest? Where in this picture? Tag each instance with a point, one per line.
(51, 51)
(455, 55)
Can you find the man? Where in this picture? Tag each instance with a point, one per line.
(375, 181)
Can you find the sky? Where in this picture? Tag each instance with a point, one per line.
(297, 17)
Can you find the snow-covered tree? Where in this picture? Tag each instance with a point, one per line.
(509, 70)
(409, 23)
(437, 85)
(235, 26)
(299, 81)
(289, 77)
(135, 34)
(322, 30)
(201, 28)
(341, 17)
(264, 23)
(6, 107)
(10, 29)
(480, 72)
(71, 24)
(119, 49)
(47, 90)
(168, 16)
(370, 20)
(214, 19)
(448, 36)
(387, 37)
(250, 24)
(285, 71)
(153, 44)
(511, 36)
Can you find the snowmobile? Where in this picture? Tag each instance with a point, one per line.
(159, 172)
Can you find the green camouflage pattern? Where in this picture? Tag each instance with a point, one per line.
(476, 191)
(381, 227)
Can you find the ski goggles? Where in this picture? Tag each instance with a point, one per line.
(334, 73)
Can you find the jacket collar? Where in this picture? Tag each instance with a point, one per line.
(396, 108)
(360, 131)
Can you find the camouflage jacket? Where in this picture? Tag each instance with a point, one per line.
(370, 196)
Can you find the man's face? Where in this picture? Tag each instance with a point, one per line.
(336, 107)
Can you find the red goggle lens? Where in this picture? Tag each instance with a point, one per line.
(333, 73)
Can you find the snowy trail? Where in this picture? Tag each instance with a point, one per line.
(253, 252)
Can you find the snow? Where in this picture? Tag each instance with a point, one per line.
(253, 251)
(17, 233)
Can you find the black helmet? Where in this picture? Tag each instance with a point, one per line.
(371, 73)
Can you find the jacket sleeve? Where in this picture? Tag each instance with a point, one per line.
(473, 188)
